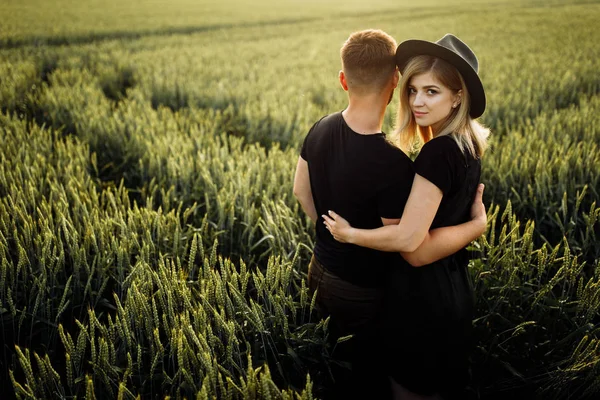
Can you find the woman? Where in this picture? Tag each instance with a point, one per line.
(429, 309)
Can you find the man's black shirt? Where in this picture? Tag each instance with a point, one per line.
(363, 178)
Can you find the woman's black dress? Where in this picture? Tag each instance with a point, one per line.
(429, 309)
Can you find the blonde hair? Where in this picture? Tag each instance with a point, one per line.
(469, 134)
(368, 60)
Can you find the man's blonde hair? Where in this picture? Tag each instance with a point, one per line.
(470, 135)
(368, 60)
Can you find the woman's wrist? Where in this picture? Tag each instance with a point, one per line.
(481, 225)
(351, 237)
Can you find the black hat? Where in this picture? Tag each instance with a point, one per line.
(454, 51)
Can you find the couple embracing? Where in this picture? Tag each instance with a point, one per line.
(392, 273)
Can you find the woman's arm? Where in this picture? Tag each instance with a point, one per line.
(436, 244)
(417, 217)
(442, 242)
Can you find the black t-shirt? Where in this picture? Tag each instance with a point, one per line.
(429, 309)
(363, 178)
(456, 174)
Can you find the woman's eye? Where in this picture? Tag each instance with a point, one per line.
(411, 91)
(431, 91)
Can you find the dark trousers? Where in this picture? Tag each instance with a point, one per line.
(353, 310)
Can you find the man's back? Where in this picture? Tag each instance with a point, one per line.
(362, 177)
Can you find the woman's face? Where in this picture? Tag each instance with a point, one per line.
(430, 101)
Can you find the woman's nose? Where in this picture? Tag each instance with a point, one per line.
(417, 99)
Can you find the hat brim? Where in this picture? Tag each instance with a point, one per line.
(411, 48)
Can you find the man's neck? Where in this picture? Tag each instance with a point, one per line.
(365, 114)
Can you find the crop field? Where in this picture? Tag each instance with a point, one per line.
(150, 244)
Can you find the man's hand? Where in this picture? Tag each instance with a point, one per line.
(478, 213)
(339, 228)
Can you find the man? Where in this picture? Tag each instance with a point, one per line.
(346, 164)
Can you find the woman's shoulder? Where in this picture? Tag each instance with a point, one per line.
(445, 141)
(444, 150)
(445, 144)
(452, 146)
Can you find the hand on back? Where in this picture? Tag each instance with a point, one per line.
(339, 228)
(478, 213)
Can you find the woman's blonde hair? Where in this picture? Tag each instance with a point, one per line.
(469, 134)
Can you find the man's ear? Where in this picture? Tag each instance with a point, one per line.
(396, 78)
(343, 82)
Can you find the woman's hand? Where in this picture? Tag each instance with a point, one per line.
(478, 213)
(339, 228)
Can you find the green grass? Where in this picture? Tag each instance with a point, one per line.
(150, 243)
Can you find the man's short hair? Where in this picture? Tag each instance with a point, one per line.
(368, 60)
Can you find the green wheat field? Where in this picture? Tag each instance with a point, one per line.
(150, 244)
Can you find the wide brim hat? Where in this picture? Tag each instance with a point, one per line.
(454, 51)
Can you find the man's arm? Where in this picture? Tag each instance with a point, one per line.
(442, 242)
(302, 189)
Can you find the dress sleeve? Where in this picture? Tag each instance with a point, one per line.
(436, 162)
(392, 198)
